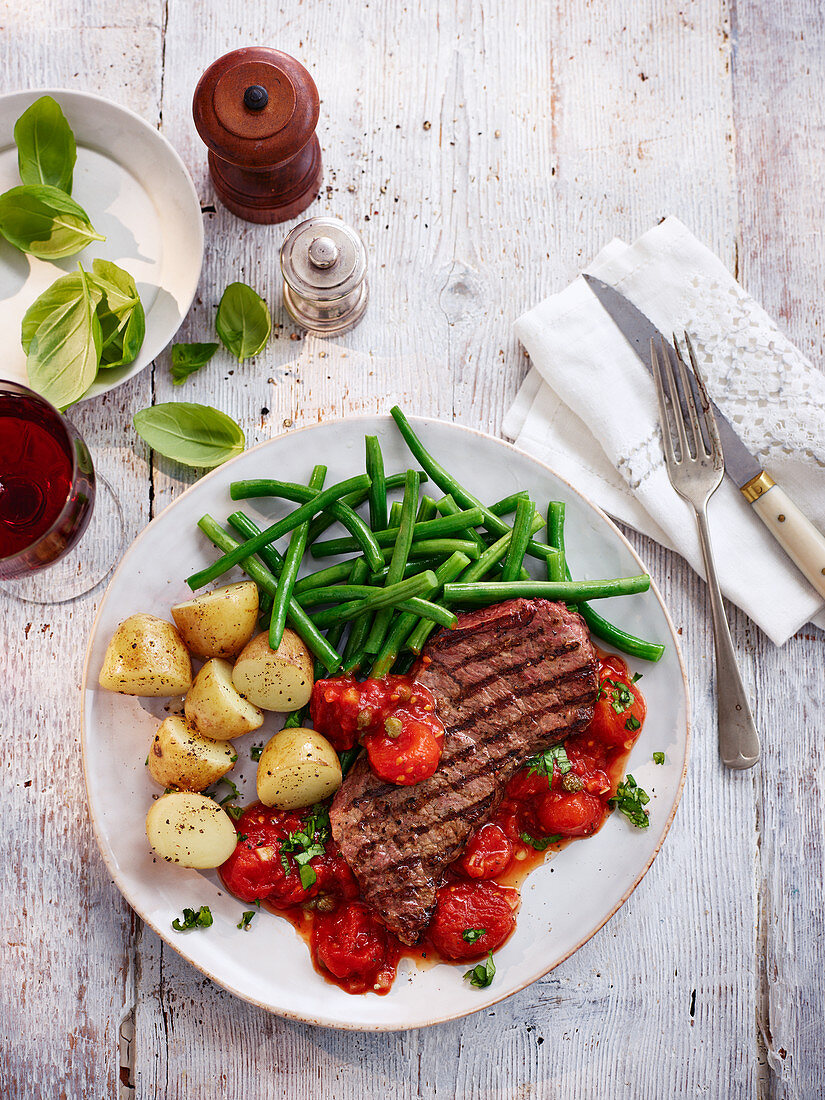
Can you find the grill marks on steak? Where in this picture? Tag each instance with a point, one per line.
(509, 681)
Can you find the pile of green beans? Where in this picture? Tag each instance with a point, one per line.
(409, 563)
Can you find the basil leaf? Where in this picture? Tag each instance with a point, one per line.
(193, 918)
(196, 435)
(188, 358)
(121, 314)
(59, 295)
(243, 322)
(64, 353)
(43, 221)
(246, 919)
(470, 935)
(482, 974)
(46, 150)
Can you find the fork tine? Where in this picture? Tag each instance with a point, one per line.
(664, 420)
(675, 402)
(707, 410)
(690, 401)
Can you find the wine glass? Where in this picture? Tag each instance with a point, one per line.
(48, 488)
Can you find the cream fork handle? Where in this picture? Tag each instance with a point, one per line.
(738, 739)
(795, 533)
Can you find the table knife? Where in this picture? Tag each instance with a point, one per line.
(801, 541)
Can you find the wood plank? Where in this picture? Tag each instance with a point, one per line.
(778, 71)
(484, 156)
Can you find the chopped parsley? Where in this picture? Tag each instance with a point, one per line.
(631, 800)
(482, 974)
(544, 763)
(658, 758)
(193, 918)
(255, 751)
(306, 843)
(470, 935)
(246, 920)
(539, 843)
(621, 698)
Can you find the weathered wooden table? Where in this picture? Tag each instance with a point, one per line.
(485, 151)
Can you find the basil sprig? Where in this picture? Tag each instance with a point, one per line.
(482, 974)
(63, 352)
(243, 322)
(544, 763)
(306, 843)
(195, 435)
(46, 149)
(45, 222)
(83, 321)
(122, 319)
(188, 358)
(630, 799)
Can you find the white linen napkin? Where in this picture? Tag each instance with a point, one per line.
(588, 408)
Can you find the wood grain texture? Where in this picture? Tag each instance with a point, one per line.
(485, 152)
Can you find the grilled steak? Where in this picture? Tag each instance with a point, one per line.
(509, 681)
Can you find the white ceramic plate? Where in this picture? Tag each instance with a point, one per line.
(136, 191)
(269, 965)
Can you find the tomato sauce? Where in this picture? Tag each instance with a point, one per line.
(288, 861)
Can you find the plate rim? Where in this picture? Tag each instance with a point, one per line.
(189, 296)
(494, 999)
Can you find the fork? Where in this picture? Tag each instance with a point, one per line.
(695, 465)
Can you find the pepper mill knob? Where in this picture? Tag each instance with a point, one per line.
(256, 110)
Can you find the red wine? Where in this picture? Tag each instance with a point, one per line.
(35, 478)
(47, 483)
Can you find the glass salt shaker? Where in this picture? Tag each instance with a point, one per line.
(324, 264)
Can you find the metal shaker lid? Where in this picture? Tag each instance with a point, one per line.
(323, 259)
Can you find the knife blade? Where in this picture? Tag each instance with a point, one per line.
(801, 541)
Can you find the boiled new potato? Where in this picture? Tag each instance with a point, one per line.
(297, 767)
(215, 708)
(146, 656)
(279, 679)
(190, 829)
(221, 622)
(180, 757)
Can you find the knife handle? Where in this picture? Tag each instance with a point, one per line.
(794, 532)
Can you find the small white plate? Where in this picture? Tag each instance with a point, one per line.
(137, 191)
(563, 902)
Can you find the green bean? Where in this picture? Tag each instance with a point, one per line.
(600, 627)
(266, 580)
(334, 593)
(380, 599)
(321, 523)
(474, 572)
(288, 523)
(556, 566)
(486, 592)
(415, 565)
(378, 486)
(448, 507)
(348, 758)
(360, 628)
(509, 504)
(395, 513)
(426, 609)
(426, 510)
(448, 484)
(292, 563)
(518, 543)
(405, 622)
(402, 543)
(338, 509)
(428, 529)
(333, 574)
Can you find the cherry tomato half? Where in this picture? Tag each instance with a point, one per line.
(577, 814)
(409, 757)
(472, 918)
(352, 945)
(488, 853)
(620, 709)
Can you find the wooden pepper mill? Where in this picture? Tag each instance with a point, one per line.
(256, 109)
